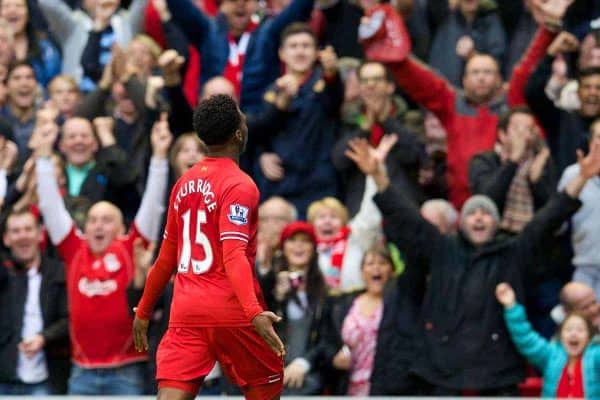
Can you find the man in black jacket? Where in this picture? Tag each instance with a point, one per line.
(464, 343)
(34, 330)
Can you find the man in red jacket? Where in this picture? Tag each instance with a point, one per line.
(470, 116)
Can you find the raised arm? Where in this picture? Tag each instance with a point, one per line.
(148, 217)
(403, 223)
(135, 15)
(60, 18)
(425, 87)
(524, 69)
(529, 343)
(194, 23)
(296, 11)
(561, 207)
(56, 217)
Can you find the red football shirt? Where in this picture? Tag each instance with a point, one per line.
(99, 317)
(213, 201)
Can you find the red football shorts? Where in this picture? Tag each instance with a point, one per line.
(186, 355)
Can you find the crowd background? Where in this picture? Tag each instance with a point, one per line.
(411, 155)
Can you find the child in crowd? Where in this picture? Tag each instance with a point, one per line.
(569, 364)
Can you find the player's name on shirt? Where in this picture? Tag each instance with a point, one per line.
(196, 186)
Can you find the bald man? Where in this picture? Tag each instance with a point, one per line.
(273, 215)
(100, 267)
(218, 85)
(578, 297)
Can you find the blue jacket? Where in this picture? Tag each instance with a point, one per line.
(551, 357)
(303, 137)
(48, 64)
(261, 63)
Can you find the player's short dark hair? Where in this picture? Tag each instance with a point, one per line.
(506, 116)
(297, 28)
(216, 119)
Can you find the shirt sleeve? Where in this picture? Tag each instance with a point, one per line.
(68, 247)
(236, 223)
(235, 218)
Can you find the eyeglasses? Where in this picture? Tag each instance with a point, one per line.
(374, 79)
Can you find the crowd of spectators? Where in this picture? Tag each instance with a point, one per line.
(411, 155)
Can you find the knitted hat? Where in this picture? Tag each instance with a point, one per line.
(476, 202)
(298, 227)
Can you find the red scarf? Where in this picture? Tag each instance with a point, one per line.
(336, 247)
(237, 54)
(376, 134)
(571, 384)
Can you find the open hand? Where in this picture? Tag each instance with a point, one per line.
(363, 156)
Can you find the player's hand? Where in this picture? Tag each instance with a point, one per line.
(263, 323)
(505, 295)
(140, 334)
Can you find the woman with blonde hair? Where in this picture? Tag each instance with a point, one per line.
(341, 243)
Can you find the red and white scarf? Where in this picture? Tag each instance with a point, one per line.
(237, 53)
(336, 247)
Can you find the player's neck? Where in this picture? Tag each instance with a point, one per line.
(224, 152)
